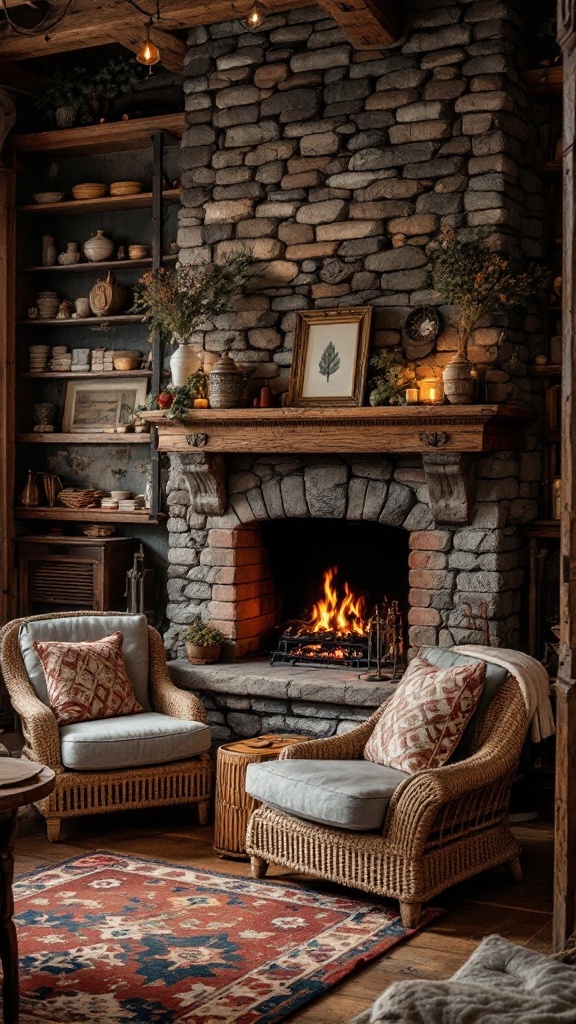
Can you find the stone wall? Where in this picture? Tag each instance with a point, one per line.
(338, 169)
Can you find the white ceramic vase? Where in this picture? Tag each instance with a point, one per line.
(184, 361)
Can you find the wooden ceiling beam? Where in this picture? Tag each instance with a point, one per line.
(369, 24)
(88, 25)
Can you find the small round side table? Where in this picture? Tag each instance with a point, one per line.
(233, 804)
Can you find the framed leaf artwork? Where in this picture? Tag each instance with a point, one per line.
(330, 356)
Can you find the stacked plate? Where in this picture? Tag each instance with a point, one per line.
(126, 188)
(39, 358)
(61, 359)
(110, 504)
(131, 504)
(73, 497)
(89, 190)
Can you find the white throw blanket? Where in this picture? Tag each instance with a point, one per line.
(532, 678)
(501, 983)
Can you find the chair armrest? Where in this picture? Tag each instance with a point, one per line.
(346, 747)
(165, 697)
(474, 788)
(40, 728)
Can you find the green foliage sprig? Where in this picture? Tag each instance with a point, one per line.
(203, 634)
(468, 274)
(195, 387)
(175, 302)
(388, 385)
(118, 75)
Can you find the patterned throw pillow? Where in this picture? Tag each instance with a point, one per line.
(425, 718)
(87, 680)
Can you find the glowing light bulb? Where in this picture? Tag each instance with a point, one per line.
(255, 16)
(148, 53)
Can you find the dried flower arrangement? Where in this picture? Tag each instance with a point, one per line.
(468, 274)
(177, 301)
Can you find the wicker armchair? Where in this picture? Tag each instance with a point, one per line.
(442, 825)
(96, 792)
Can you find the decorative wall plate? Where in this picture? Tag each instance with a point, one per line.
(421, 329)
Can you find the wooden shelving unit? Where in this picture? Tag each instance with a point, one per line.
(89, 321)
(74, 375)
(107, 204)
(88, 515)
(114, 137)
(102, 438)
(75, 268)
(141, 217)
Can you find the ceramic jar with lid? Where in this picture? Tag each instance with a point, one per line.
(226, 384)
(98, 248)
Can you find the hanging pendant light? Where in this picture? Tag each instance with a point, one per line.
(148, 53)
(255, 16)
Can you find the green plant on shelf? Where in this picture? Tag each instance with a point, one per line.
(391, 378)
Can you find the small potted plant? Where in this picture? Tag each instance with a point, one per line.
(479, 283)
(203, 642)
(64, 97)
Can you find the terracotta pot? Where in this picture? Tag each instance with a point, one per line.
(459, 384)
(203, 655)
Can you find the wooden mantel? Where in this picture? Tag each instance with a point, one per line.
(403, 429)
(446, 436)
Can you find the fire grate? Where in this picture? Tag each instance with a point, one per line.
(325, 649)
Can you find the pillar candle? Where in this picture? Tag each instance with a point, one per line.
(411, 396)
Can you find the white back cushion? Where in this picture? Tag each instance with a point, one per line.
(134, 629)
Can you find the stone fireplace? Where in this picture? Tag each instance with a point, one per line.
(338, 169)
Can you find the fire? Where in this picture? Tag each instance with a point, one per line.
(335, 614)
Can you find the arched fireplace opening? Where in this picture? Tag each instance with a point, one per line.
(329, 577)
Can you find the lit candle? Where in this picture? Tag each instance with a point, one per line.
(411, 396)
(432, 394)
(200, 403)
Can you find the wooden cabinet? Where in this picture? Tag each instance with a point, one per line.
(75, 573)
(143, 150)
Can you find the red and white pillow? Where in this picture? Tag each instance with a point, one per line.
(425, 718)
(87, 681)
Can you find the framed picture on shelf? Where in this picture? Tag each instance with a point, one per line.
(330, 357)
(94, 407)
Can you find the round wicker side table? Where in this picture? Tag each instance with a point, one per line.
(233, 804)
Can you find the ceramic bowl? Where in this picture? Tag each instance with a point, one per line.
(120, 495)
(49, 197)
(137, 252)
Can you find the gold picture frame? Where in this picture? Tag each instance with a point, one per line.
(95, 407)
(330, 357)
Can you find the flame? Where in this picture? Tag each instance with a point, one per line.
(333, 614)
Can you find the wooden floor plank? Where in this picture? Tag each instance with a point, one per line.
(488, 903)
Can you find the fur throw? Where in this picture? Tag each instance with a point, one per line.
(500, 984)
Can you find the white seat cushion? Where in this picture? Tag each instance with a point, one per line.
(131, 742)
(347, 794)
(134, 629)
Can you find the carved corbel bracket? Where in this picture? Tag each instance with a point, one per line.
(204, 476)
(450, 478)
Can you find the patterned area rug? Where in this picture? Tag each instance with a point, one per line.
(107, 939)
